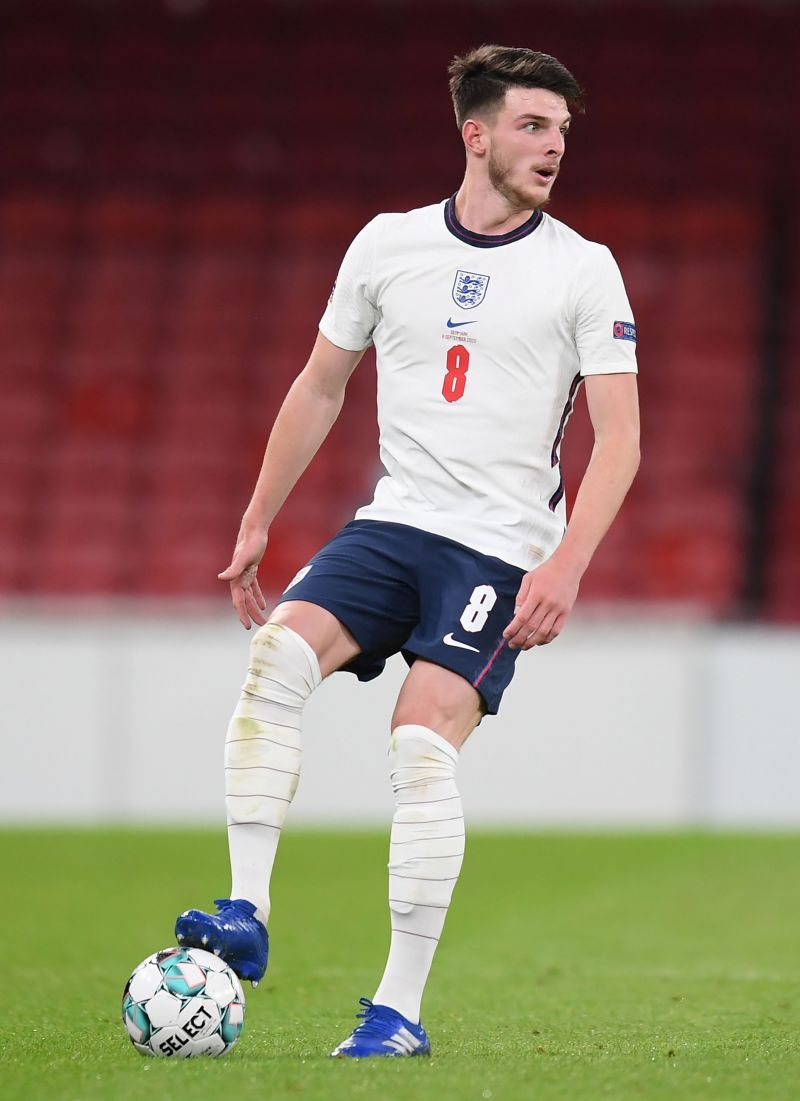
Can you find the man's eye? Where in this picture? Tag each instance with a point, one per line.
(531, 126)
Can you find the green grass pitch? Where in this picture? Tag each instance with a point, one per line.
(573, 967)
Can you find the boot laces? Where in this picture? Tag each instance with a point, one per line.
(371, 1016)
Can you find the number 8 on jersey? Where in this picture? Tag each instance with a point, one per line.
(455, 381)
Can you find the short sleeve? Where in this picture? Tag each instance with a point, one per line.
(351, 315)
(605, 332)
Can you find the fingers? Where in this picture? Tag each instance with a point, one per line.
(253, 608)
(524, 590)
(522, 611)
(249, 602)
(540, 633)
(260, 601)
(545, 631)
(239, 603)
(555, 630)
(517, 632)
(246, 595)
(534, 625)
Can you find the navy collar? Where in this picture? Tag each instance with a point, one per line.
(487, 240)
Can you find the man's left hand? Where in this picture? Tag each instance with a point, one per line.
(544, 601)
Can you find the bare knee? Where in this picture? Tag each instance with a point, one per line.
(439, 699)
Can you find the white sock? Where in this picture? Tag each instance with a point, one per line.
(262, 756)
(425, 855)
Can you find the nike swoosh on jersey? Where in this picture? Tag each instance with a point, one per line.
(460, 324)
(448, 640)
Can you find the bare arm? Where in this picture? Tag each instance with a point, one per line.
(304, 420)
(548, 592)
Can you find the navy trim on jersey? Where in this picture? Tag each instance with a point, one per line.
(555, 454)
(487, 240)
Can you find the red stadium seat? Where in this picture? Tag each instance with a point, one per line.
(36, 220)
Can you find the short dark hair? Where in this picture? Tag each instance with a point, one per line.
(480, 79)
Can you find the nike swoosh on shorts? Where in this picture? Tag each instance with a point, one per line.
(448, 640)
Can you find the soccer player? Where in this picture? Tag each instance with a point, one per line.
(486, 315)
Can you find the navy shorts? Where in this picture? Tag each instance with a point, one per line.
(398, 589)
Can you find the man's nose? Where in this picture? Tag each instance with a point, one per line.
(556, 146)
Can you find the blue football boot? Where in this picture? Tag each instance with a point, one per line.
(234, 934)
(384, 1032)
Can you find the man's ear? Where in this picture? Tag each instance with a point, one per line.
(475, 133)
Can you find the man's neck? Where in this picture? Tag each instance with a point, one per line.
(482, 209)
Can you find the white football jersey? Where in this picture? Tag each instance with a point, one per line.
(481, 343)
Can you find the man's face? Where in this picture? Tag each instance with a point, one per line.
(526, 144)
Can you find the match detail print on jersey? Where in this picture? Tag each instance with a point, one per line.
(455, 381)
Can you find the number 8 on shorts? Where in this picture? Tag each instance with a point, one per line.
(474, 616)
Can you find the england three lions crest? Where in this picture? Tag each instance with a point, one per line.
(469, 289)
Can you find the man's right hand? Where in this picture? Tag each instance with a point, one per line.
(248, 600)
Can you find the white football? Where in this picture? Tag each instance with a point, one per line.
(181, 1002)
